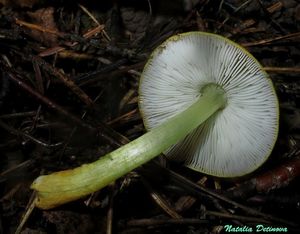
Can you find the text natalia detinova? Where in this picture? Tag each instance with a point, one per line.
(257, 228)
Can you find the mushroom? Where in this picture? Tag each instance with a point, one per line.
(205, 101)
(240, 136)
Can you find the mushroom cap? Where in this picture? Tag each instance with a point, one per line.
(235, 140)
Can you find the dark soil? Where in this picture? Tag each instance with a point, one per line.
(68, 97)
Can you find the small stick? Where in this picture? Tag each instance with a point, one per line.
(38, 27)
(111, 74)
(18, 115)
(11, 193)
(26, 135)
(237, 217)
(94, 19)
(269, 40)
(189, 184)
(66, 80)
(273, 179)
(279, 177)
(55, 72)
(159, 222)
(282, 69)
(126, 116)
(29, 209)
(58, 49)
(26, 163)
(110, 212)
(48, 102)
(161, 202)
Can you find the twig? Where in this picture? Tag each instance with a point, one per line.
(160, 201)
(184, 203)
(85, 10)
(150, 7)
(111, 74)
(21, 165)
(282, 69)
(38, 28)
(126, 116)
(110, 212)
(48, 102)
(66, 80)
(108, 68)
(237, 217)
(160, 222)
(276, 178)
(269, 40)
(25, 135)
(58, 49)
(55, 72)
(279, 177)
(18, 115)
(11, 193)
(38, 77)
(25, 217)
(203, 191)
(94, 19)
(268, 14)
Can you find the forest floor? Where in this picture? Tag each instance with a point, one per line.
(69, 93)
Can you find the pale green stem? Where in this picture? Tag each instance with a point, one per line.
(64, 186)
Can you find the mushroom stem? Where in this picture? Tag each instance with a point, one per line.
(65, 186)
